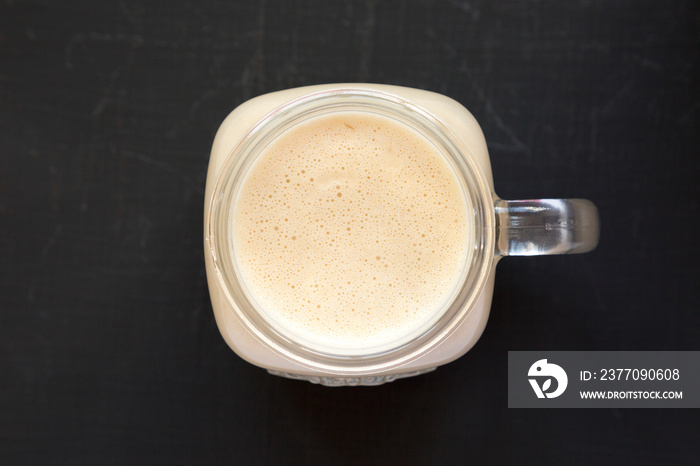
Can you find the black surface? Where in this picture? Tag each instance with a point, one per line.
(109, 353)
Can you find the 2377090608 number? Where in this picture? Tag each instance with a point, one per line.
(639, 374)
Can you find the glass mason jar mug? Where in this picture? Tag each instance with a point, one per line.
(401, 178)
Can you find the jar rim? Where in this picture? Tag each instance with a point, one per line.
(472, 181)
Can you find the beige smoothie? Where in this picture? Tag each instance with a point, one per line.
(347, 235)
(350, 232)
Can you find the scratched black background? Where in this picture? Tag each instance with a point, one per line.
(109, 353)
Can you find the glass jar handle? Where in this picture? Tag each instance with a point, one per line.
(546, 226)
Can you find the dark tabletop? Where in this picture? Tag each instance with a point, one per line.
(109, 353)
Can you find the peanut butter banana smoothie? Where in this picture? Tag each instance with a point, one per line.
(350, 231)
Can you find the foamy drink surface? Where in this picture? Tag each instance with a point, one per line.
(350, 231)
